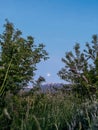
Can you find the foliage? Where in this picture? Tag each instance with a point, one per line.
(81, 69)
(55, 109)
(48, 111)
(40, 111)
(18, 59)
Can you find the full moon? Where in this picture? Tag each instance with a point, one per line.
(48, 74)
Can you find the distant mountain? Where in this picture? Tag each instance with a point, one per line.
(50, 87)
(55, 86)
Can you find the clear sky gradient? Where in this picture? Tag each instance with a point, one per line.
(59, 24)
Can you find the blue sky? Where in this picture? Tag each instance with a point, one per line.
(59, 24)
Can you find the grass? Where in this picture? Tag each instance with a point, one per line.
(48, 111)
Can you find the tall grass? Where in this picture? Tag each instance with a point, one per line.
(49, 111)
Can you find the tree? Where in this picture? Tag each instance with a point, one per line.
(18, 59)
(81, 69)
